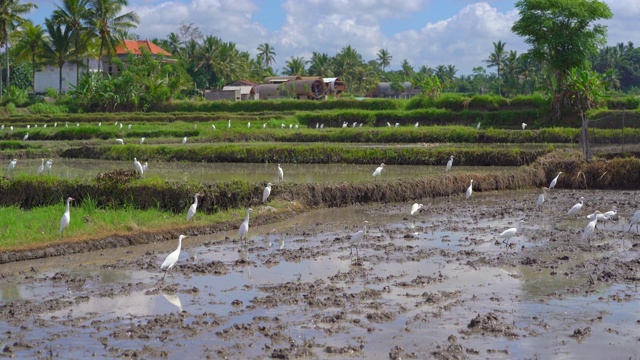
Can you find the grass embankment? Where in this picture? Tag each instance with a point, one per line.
(313, 154)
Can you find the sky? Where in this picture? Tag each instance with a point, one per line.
(425, 32)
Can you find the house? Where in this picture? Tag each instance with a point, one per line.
(236, 91)
(48, 76)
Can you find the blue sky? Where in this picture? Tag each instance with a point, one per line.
(425, 32)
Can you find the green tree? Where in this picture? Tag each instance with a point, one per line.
(105, 21)
(11, 12)
(563, 34)
(30, 45)
(73, 14)
(406, 70)
(497, 59)
(295, 66)
(321, 65)
(384, 58)
(57, 49)
(267, 54)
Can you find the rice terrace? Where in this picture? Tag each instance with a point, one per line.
(164, 208)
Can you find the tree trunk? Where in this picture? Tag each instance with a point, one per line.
(6, 46)
(584, 137)
(60, 81)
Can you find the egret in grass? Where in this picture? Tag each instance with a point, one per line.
(540, 200)
(469, 191)
(243, 231)
(577, 207)
(12, 165)
(524, 125)
(478, 126)
(317, 125)
(55, 124)
(388, 124)
(25, 137)
(66, 124)
(554, 181)
(355, 123)
(184, 140)
(290, 126)
(47, 166)
(36, 125)
(2, 127)
(119, 141)
(28, 127)
(66, 217)
(193, 207)
(397, 124)
(264, 125)
(321, 126)
(100, 123)
(11, 128)
(282, 126)
(280, 173)
(172, 258)
(357, 238)
(509, 233)
(144, 167)
(248, 124)
(591, 226)
(416, 207)
(129, 127)
(296, 126)
(213, 126)
(138, 166)
(266, 192)
(634, 220)
(449, 163)
(229, 124)
(416, 125)
(142, 140)
(41, 167)
(378, 170)
(120, 126)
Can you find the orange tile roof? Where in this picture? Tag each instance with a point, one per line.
(133, 46)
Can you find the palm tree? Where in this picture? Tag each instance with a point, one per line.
(384, 58)
(10, 19)
(346, 61)
(497, 58)
(29, 45)
(321, 65)
(407, 70)
(295, 66)
(57, 49)
(266, 54)
(175, 43)
(73, 15)
(105, 23)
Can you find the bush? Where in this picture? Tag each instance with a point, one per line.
(43, 108)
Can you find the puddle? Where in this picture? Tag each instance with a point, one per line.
(418, 287)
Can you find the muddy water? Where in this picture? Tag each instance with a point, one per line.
(434, 285)
(183, 171)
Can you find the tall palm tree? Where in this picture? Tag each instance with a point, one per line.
(321, 64)
(29, 46)
(73, 14)
(105, 23)
(175, 43)
(295, 66)
(497, 59)
(267, 54)
(346, 61)
(57, 49)
(384, 58)
(407, 70)
(10, 19)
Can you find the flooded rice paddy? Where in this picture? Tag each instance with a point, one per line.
(184, 171)
(437, 284)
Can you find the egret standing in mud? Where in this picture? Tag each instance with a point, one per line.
(356, 239)
(478, 126)
(540, 200)
(609, 214)
(634, 220)
(66, 217)
(12, 165)
(119, 141)
(378, 170)
(591, 226)
(172, 258)
(266, 192)
(524, 125)
(184, 140)
(554, 181)
(47, 166)
(509, 233)
(145, 166)
(41, 167)
(449, 164)
(193, 208)
(138, 167)
(244, 227)
(280, 173)
(577, 207)
(142, 140)
(469, 191)
(415, 208)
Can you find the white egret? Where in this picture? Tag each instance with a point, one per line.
(229, 124)
(213, 126)
(388, 124)
(248, 124)
(577, 207)
(77, 124)
(11, 128)
(397, 124)
(47, 166)
(355, 123)
(25, 137)
(360, 125)
(193, 207)
(264, 125)
(317, 125)
(524, 125)
(280, 173)
(554, 181)
(321, 126)
(469, 191)
(415, 208)
(66, 217)
(378, 170)
(116, 123)
(66, 124)
(12, 165)
(478, 126)
(172, 258)
(120, 141)
(449, 164)
(591, 226)
(45, 125)
(36, 125)
(296, 126)
(244, 227)
(610, 214)
(120, 126)
(281, 126)
(129, 127)
(634, 220)
(28, 126)
(290, 126)
(541, 196)
(138, 166)
(144, 167)
(415, 126)
(266, 192)
(357, 238)
(2, 127)
(184, 140)
(41, 167)
(100, 123)
(195, 126)
(55, 124)
(344, 124)
(509, 233)
(142, 140)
